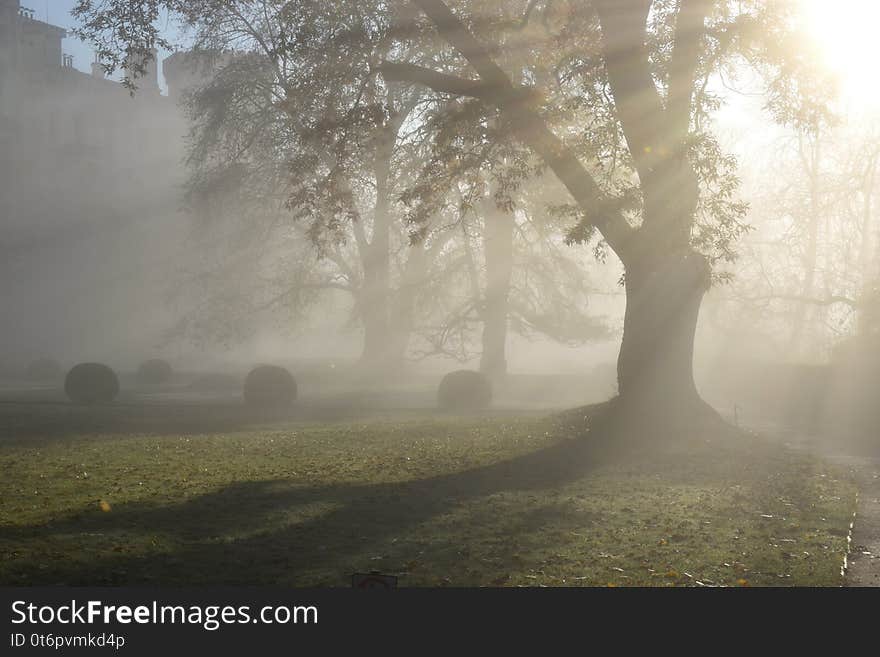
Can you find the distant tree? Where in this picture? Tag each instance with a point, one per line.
(295, 141)
(810, 271)
(509, 269)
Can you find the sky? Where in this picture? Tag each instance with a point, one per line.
(846, 45)
(57, 12)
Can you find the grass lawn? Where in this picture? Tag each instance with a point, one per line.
(457, 501)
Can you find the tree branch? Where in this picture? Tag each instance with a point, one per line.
(812, 301)
(440, 82)
(526, 123)
(636, 99)
(459, 37)
(689, 29)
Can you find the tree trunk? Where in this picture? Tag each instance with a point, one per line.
(655, 365)
(811, 159)
(498, 246)
(866, 313)
(374, 302)
(376, 257)
(374, 315)
(404, 303)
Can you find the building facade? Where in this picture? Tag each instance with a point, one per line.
(90, 196)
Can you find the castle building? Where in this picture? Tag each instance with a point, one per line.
(85, 167)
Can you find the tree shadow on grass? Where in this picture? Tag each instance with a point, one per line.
(240, 534)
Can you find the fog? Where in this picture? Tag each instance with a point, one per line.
(480, 247)
(99, 244)
(91, 198)
(104, 256)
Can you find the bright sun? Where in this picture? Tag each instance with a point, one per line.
(847, 33)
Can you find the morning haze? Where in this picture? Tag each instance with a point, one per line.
(466, 293)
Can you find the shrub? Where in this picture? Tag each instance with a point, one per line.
(464, 389)
(43, 369)
(154, 371)
(269, 385)
(91, 383)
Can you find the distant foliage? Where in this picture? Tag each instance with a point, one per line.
(154, 371)
(91, 383)
(464, 389)
(43, 369)
(269, 386)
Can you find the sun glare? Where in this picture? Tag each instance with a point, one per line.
(847, 33)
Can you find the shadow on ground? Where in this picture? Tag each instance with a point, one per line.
(349, 520)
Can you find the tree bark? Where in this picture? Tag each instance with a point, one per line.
(498, 247)
(810, 155)
(376, 257)
(374, 312)
(404, 304)
(655, 364)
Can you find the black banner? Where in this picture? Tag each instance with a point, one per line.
(231, 620)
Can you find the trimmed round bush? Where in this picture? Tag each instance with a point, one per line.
(269, 386)
(154, 371)
(91, 383)
(464, 389)
(43, 369)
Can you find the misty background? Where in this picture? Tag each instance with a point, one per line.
(99, 250)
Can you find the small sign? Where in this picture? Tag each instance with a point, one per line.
(373, 581)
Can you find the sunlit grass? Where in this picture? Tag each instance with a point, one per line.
(438, 501)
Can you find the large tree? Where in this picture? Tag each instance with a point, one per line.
(654, 59)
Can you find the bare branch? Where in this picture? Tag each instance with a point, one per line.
(812, 301)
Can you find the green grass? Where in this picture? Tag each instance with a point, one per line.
(479, 501)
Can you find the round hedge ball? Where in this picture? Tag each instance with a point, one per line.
(269, 386)
(464, 389)
(44, 369)
(154, 371)
(91, 383)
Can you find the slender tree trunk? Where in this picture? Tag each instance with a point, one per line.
(404, 303)
(377, 264)
(810, 157)
(375, 302)
(867, 255)
(498, 246)
(374, 318)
